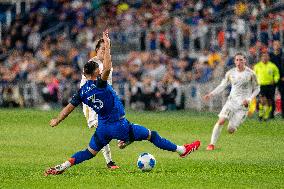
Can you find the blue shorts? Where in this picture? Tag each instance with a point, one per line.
(120, 130)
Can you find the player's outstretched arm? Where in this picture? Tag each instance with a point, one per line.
(62, 115)
(225, 82)
(107, 57)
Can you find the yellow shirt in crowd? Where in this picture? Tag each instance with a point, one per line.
(212, 58)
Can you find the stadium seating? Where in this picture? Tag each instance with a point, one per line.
(171, 46)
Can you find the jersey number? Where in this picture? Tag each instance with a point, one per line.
(96, 103)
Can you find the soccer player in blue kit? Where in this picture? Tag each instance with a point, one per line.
(112, 124)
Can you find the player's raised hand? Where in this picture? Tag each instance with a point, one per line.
(54, 122)
(207, 97)
(106, 39)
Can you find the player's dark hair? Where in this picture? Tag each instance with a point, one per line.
(240, 54)
(90, 67)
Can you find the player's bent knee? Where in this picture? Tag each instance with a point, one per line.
(231, 130)
(92, 151)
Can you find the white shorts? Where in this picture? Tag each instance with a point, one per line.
(91, 116)
(234, 114)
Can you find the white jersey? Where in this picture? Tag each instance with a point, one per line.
(244, 86)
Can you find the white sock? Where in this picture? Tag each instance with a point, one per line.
(180, 149)
(216, 133)
(107, 154)
(63, 166)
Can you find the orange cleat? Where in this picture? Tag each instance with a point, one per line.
(210, 147)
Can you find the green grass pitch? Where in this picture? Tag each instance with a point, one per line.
(251, 158)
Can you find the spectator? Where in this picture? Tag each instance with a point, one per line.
(34, 38)
(135, 90)
(169, 23)
(205, 73)
(214, 58)
(149, 89)
(12, 97)
(239, 26)
(50, 91)
(168, 91)
(277, 57)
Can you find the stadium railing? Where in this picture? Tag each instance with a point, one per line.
(31, 94)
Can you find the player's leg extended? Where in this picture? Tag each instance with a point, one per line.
(142, 133)
(92, 120)
(236, 120)
(225, 113)
(77, 158)
(96, 144)
(216, 133)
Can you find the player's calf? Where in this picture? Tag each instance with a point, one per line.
(165, 144)
(77, 158)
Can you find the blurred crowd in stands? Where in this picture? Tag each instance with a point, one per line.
(35, 48)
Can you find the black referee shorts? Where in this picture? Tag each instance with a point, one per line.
(267, 91)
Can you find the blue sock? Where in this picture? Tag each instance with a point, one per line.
(162, 143)
(81, 156)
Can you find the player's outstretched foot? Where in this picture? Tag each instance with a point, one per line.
(53, 171)
(190, 148)
(112, 165)
(121, 144)
(210, 147)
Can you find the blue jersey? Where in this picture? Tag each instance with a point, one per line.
(101, 97)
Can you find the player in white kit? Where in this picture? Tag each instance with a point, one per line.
(90, 114)
(244, 88)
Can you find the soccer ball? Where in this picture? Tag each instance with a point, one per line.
(146, 162)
